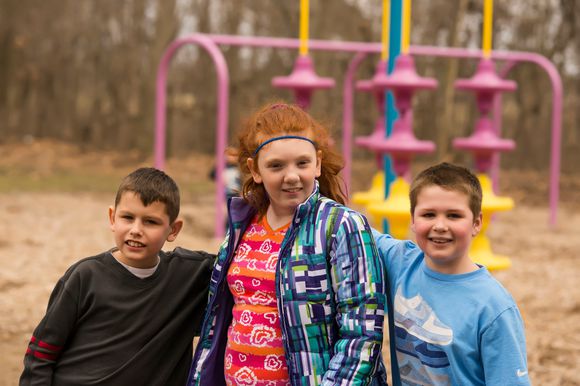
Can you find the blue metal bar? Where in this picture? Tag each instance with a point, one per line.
(395, 26)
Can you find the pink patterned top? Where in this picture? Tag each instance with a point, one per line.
(255, 352)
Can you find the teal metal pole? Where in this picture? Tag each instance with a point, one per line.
(395, 27)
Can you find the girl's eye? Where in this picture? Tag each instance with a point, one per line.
(303, 163)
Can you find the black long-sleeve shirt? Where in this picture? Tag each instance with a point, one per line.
(105, 326)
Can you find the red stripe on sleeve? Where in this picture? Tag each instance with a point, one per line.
(33, 339)
(49, 346)
(41, 355)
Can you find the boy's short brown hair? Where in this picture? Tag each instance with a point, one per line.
(152, 185)
(448, 177)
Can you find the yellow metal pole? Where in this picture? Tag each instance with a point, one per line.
(385, 31)
(406, 38)
(487, 28)
(304, 9)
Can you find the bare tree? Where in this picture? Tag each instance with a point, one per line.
(85, 71)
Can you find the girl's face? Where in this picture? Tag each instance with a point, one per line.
(287, 168)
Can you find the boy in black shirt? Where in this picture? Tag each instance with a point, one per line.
(126, 316)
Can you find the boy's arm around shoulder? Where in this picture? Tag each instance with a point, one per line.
(395, 253)
(200, 276)
(51, 335)
(386, 244)
(200, 266)
(205, 260)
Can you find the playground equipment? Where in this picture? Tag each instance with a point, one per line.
(401, 144)
(377, 191)
(303, 79)
(211, 44)
(485, 143)
(403, 81)
(379, 187)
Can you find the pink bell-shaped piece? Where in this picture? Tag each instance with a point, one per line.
(484, 139)
(402, 144)
(303, 80)
(483, 143)
(369, 84)
(485, 83)
(377, 135)
(404, 81)
(403, 141)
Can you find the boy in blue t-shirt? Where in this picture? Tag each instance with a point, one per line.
(454, 324)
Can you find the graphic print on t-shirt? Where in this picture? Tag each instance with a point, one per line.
(419, 337)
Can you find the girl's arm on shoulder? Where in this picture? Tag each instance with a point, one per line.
(357, 280)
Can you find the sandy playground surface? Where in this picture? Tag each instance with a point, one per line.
(42, 233)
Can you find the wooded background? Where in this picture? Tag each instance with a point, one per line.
(83, 71)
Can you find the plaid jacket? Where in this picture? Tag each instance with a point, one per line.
(331, 298)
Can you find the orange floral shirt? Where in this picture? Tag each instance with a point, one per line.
(255, 351)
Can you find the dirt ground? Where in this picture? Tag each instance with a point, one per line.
(43, 231)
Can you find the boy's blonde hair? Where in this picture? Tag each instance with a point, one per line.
(448, 177)
(152, 185)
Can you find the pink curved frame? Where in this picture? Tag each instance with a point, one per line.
(222, 114)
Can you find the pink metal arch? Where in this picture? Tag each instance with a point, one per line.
(222, 114)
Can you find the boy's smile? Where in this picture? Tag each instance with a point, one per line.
(444, 227)
(140, 231)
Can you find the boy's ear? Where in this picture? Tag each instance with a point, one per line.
(112, 217)
(318, 163)
(175, 228)
(477, 223)
(255, 175)
(412, 223)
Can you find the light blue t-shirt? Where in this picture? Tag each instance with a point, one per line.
(452, 329)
